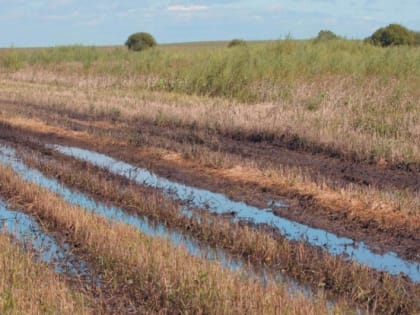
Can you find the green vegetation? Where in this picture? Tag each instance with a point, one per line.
(236, 42)
(345, 95)
(325, 35)
(198, 108)
(140, 41)
(263, 72)
(392, 35)
(417, 38)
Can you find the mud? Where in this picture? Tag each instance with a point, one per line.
(339, 171)
(218, 203)
(115, 214)
(303, 209)
(289, 150)
(28, 235)
(248, 191)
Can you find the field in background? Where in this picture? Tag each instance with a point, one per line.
(209, 68)
(342, 96)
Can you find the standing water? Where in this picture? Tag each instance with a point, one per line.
(26, 231)
(8, 157)
(220, 204)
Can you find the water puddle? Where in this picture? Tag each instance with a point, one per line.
(195, 248)
(28, 234)
(220, 204)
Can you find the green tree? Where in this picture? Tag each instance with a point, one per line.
(325, 35)
(236, 42)
(140, 41)
(392, 35)
(417, 38)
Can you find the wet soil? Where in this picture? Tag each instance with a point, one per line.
(302, 208)
(288, 150)
(339, 171)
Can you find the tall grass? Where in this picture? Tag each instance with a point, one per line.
(236, 72)
(346, 97)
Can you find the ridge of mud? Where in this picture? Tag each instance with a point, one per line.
(289, 150)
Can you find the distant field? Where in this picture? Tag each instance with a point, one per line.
(343, 96)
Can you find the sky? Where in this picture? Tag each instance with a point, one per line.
(28, 23)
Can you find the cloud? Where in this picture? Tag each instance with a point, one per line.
(58, 17)
(187, 8)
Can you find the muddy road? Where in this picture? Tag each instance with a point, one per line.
(207, 165)
(319, 164)
(381, 234)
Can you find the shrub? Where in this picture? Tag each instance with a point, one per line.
(392, 35)
(325, 35)
(417, 38)
(140, 41)
(236, 42)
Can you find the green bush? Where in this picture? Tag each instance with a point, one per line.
(140, 41)
(236, 42)
(417, 38)
(325, 35)
(392, 35)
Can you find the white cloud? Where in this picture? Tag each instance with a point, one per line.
(58, 17)
(187, 8)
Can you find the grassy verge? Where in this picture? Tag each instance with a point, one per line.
(339, 279)
(157, 276)
(27, 287)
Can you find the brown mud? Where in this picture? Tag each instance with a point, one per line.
(399, 237)
(289, 150)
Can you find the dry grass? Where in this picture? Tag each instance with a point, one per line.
(27, 287)
(368, 119)
(356, 283)
(390, 208)
(152, 272)
(343, 98)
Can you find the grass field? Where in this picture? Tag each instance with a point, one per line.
(346, 97)
(331, 129)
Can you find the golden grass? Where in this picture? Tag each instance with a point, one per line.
(390, 209)
(152, 272)
(27, 287)
(367, 110)
(307, 264)
(368, 119)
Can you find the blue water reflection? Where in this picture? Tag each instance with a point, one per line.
(220, 204)
(45, 248)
